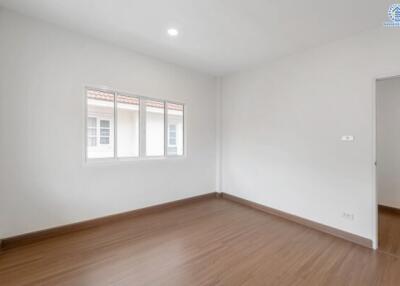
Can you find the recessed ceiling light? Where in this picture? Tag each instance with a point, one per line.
(172, 32)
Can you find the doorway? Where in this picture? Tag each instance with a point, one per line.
(388, 164)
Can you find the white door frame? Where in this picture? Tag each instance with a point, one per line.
(375, 214)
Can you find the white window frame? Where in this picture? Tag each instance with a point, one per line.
(142, 128)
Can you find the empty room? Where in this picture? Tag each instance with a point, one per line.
(212, 142)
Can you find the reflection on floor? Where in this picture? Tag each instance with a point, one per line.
(389, 231)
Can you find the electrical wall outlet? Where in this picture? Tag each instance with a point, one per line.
(348, 216)
(347, 138)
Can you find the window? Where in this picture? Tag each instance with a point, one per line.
(175, 129)
(143, 127)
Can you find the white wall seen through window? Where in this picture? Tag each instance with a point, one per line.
(128, 126)
(154, 128)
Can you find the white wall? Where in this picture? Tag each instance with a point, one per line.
(43, 72)
(282, 125)
(388, 141)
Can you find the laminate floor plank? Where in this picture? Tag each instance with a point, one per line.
(389, 232)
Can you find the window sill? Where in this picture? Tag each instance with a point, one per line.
(122, 161)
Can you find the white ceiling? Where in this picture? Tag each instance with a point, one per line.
(216, 36)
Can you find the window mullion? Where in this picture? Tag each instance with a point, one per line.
(165, 128)
(115, 140)
(142, 127)
(183, 130)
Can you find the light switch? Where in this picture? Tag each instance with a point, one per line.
(347, 138)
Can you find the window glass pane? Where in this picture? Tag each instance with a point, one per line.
(105, 123)
(104, 140)
(127, 126)
(172, 135)
(175, 129)
(100, 109)
(104, 132)
(154, 128)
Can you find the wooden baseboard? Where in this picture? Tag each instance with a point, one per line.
(389, 209)
(24, 239)
(311, 224)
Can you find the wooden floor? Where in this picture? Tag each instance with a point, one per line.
(213, 242)
(389, 232)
